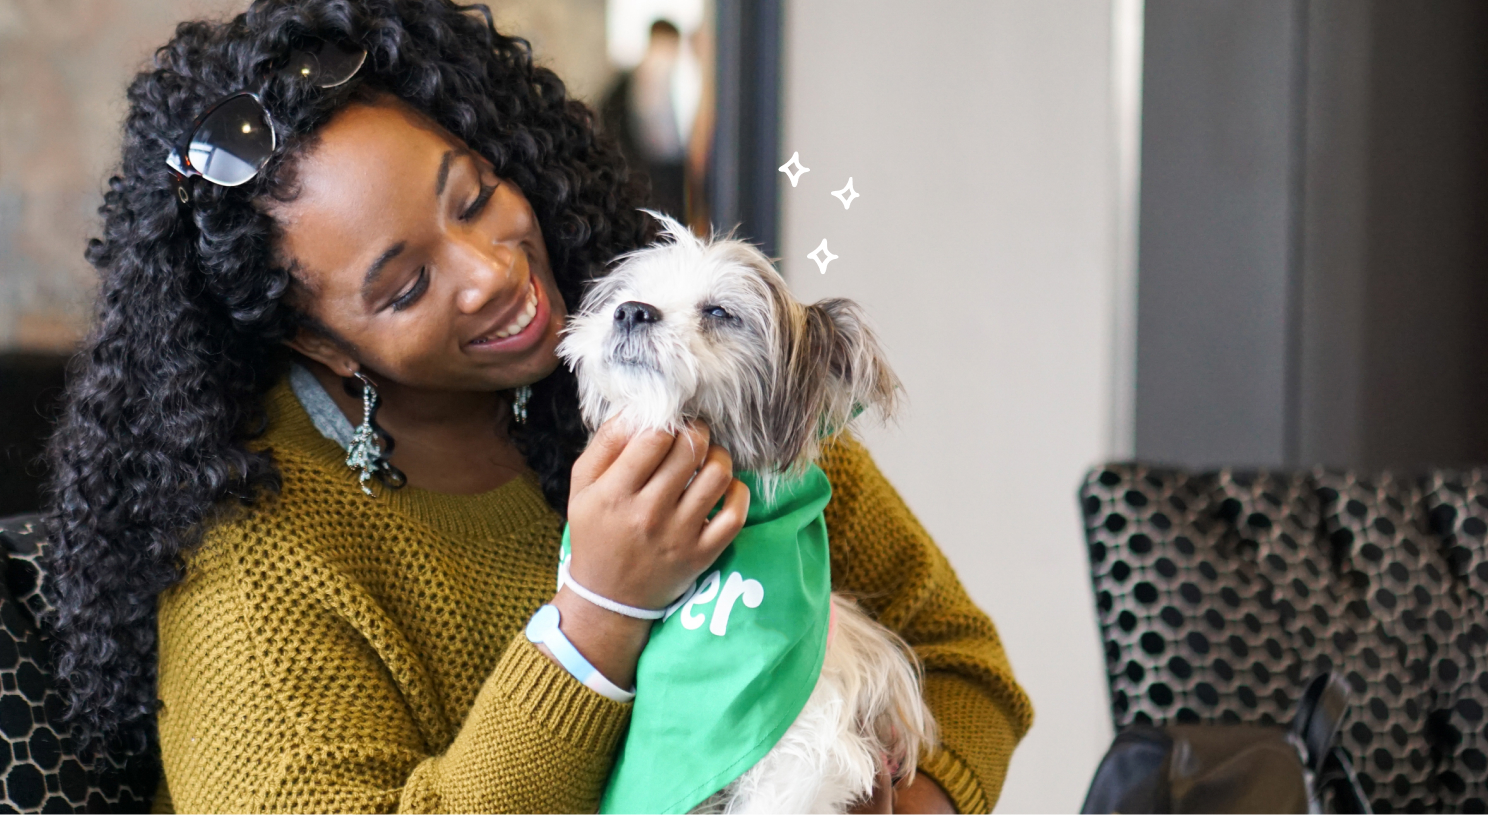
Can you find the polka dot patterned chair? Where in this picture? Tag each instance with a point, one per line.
(41, 773)
(1220, 594)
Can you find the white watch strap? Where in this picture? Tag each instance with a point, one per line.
(543, 628)
(564, 578)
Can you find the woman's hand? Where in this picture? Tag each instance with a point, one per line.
(921, 795)
(639, 532)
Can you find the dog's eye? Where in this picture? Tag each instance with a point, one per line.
(716, 311)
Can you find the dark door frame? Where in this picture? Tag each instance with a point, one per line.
(747, 130)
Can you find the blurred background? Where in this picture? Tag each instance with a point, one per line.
(1197, 232)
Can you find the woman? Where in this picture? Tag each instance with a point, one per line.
(411, 242)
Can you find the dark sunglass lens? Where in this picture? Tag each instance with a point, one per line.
(233, 143)
(325, 66)
(338, 63)
(302, 65)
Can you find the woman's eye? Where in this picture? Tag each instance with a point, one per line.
(716, 311)
(414, 292)
(479, 203)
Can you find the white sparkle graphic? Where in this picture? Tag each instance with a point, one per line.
(794, 174)
(822, 256)
(847, 194)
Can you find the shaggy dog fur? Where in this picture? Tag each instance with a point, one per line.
(689, 328)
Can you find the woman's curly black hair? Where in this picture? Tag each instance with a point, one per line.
(193, 307)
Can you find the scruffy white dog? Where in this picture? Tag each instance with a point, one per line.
(708, 329)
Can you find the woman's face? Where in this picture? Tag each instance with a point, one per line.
(430, 269)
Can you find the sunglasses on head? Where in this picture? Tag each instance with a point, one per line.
(233, 139)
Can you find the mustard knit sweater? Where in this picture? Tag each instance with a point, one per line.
(327, 652)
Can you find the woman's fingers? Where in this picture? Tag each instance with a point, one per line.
(689, 452)
(635, 465)
(882, 798)
(603, 449)
(707, 485)
(721, 529)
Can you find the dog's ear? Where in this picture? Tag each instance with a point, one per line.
(832, 368)
(857, 368)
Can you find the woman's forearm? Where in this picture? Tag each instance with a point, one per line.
(535, 741)
(611, 642)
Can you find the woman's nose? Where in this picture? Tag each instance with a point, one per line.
(491, 272)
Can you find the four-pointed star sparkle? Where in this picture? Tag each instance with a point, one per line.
(794, 174)
(822, 256)
(847, 194)
(794, 170)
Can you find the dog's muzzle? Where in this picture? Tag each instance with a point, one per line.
(630, 341)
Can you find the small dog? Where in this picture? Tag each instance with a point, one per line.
(689, 328)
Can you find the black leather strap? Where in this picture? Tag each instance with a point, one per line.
(1321, 714)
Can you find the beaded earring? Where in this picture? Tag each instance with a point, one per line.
(365, 453)
(519, 403)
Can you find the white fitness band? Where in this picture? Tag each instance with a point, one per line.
(564, 578)
(543, 628)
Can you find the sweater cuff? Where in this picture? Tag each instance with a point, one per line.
(961, 786)
(976, 735)
(557, 701)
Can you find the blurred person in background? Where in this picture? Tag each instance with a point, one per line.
(700, 140)
(642, 111)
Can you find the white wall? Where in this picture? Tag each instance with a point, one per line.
(982, 139)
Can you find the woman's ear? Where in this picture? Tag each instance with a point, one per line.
(327, 351)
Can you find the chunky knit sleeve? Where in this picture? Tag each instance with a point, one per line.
(287, 687)
(883, 556)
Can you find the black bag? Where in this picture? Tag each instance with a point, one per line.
(1234, 767)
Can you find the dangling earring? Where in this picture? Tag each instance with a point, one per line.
(519, 403)
(365, 453)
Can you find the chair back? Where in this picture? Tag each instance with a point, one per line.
(1220, 594)
(41, 770)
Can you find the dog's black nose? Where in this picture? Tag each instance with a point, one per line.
(634, 313)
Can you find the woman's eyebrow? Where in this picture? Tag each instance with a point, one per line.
(444, 173)
(369, 280)
(446, 161)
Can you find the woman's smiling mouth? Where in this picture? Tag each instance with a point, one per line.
(520, 331)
